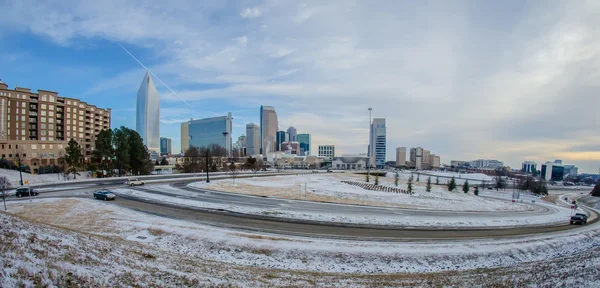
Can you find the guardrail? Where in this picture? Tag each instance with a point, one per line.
(374, 187)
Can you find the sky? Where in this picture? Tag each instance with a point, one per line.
(507, 80)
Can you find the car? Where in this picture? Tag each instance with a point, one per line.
(135, 182)
(579, 218)
(104, 195)
(25, 192)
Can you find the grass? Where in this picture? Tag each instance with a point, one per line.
(156, 232)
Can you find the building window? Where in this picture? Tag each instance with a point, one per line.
(51, 146)
(68, 121)
(22, 118)
(50, 133)
(23, 104)
(51, 155)
(43, 138)
(43, 119)
(43, 125)
(80, 129)
(68, 102)
(43, 146)
(80, 135)
(80, 118)
(68, 109)
(43, 112)
(60, 146)
(50, 138)
(51, 98)
(68, 134)
(80, 123)
(44, 97)
(22, 111)
(44, 106)
(51, 120)
(22, 132)
(51, 107)
(51, 113)
(33, 146)
(43, 132)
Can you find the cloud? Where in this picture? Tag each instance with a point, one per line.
(510, 81)
(250, 13)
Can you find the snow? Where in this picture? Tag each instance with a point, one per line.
(394, 218)
(181, 253)
(329, 188)
(14, 178)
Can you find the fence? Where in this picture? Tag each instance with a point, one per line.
(374, 187)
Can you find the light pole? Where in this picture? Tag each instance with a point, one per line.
(370, 145)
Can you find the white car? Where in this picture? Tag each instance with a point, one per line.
(135, 182)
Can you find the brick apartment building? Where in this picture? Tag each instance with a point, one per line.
(37, 126)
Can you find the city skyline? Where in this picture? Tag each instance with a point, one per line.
(469, 91)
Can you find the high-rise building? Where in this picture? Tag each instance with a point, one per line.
(240, 146)
(292, 134)
(426, 159)
(185, 136)
(304, 140)
(570, 170)
(36, 127)
(326, 151)
(378, 140)
(401, 156)
(290, 147)
(282, 136)
(434, 161)
(416, 158)
(147, 121)
(268, 129)
(209, 131)
(165, 146)
(552, 171)
(252, 139)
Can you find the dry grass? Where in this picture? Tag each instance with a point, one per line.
(156, 232)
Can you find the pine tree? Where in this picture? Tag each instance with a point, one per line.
(466, 186)
(437, 180)
(452, 184)
(476, 192)
(73, 157)
(377, 179)
(410, 188)
(396, 178)
(428, 187)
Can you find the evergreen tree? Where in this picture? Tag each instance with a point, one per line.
(437, 180)
(500, 183)
(428, 187)
(103, 150)
(164, 161)
(396, 178)
(121, 145)
(466, 186)
(476, 192)
(410, 187)
(73, 157)
(377, 179)
(452, 184)
(418, 177)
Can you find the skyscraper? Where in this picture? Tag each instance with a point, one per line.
(209, 131)
(252, 139)
(165, 146)
(304, 140)
(185, 136)
(282, 136)
(268, 129)
(400, 156)
(147, 121)
(292, 133)
(378, 140)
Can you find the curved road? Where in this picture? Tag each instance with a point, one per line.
(304, 227)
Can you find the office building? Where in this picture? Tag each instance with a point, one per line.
(327, 151)
(209, 131)
(147, 121)
(416, 158)
(304, 140)
(570, 171)
(290, 147)
(185, 136)
(268, 129)
(165, 146)
(426, 159)
(486, 164)
(252, 139)
(401, 156)
(434, 161)
(552, 171)
(292, 133)
(282, 136)
(350, 162)
(528, 167)
(239, 147)
(36, 127)
(378, 143)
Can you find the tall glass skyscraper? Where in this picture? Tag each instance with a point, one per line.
(252, 139)
(304, 140)
(378, 138)
(147, 121)
(208, 131)
(165, 146)
(268, 129)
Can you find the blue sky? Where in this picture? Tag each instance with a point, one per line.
(508, 80)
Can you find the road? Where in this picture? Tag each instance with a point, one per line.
(301, 227)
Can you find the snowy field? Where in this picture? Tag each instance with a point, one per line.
(135, 249)
(327, 187)
(14, 177)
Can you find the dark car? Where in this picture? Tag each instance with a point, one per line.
(579, 218)
(104, 195)
(24, 192)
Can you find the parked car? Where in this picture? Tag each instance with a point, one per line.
(135, 182)
(24, 192)
(104, 195)
(579, 218)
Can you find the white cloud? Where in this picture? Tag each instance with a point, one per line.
(250, 13)
(463, 84)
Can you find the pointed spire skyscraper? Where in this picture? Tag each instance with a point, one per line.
(147, 122)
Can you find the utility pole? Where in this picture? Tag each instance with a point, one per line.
(207, 179)
(20, 173)
(370, 144)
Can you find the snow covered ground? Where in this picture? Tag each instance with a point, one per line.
(327, 187)
(33, 179)
(393, 218)
(135, 249)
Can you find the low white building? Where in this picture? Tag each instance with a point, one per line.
(349, 162)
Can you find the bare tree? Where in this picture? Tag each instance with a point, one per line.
(233, 171)
(4, 184)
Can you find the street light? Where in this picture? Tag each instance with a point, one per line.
(370, 145)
